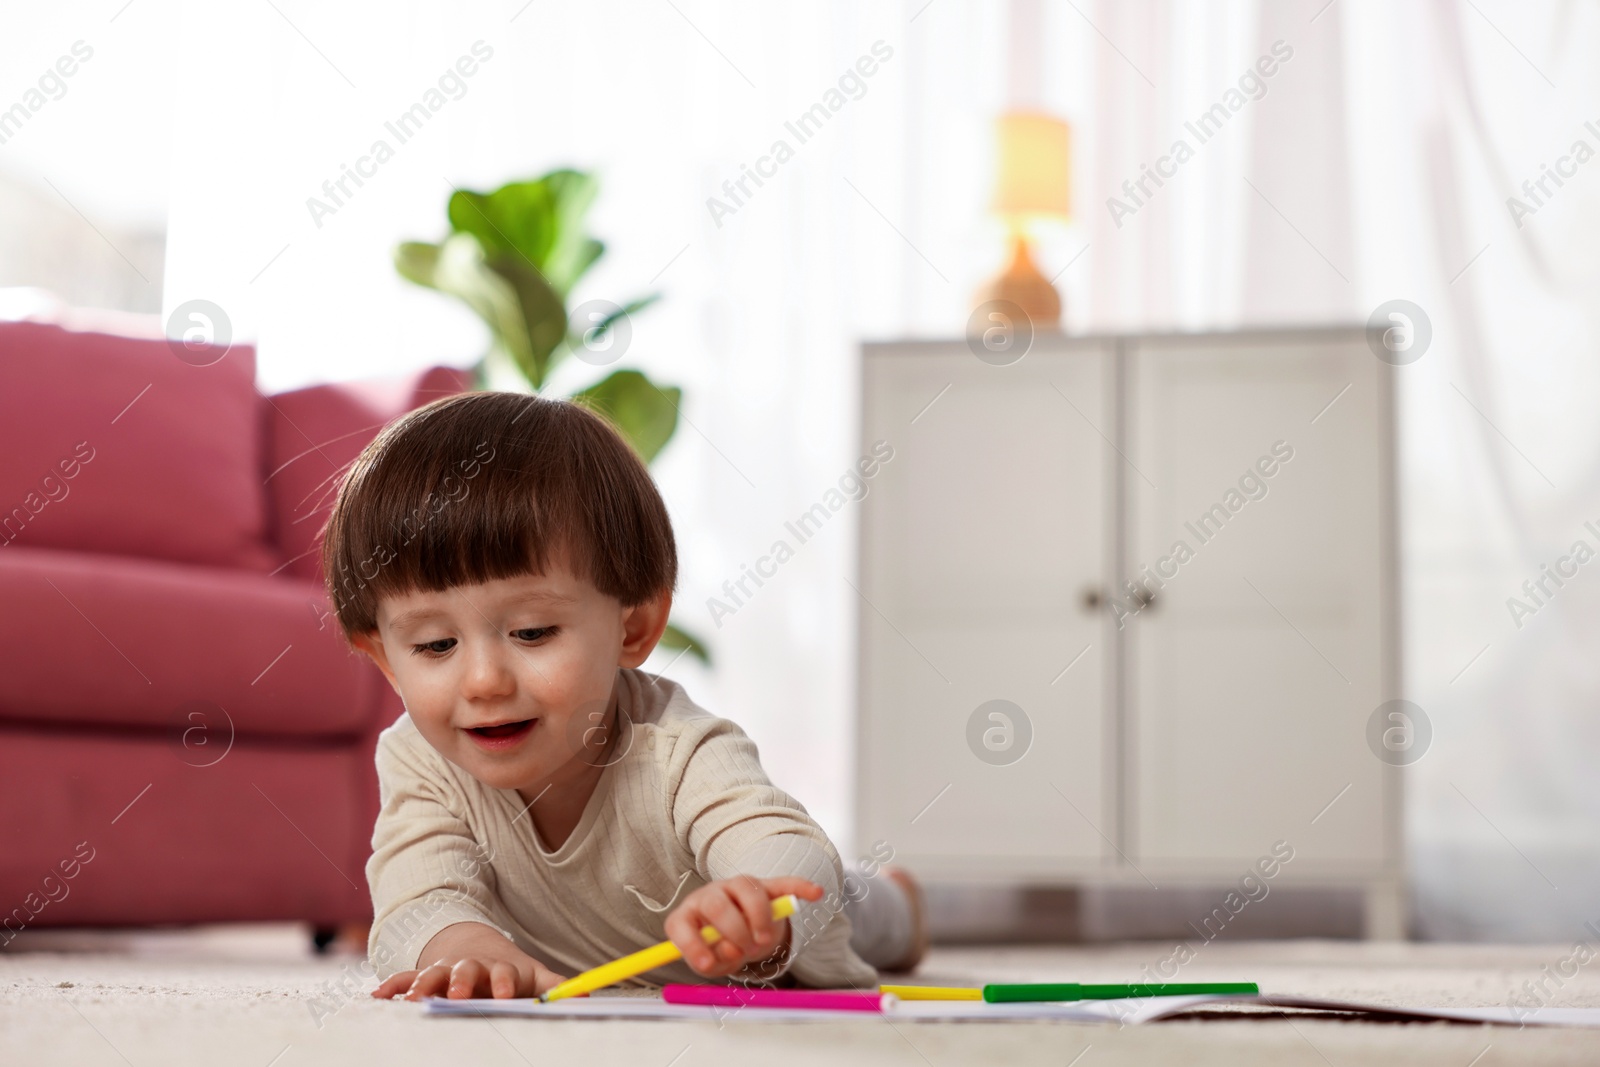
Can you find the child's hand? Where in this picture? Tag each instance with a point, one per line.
(466, 978)
(469, 959)
(741, 910)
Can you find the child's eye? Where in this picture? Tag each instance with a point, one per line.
(536, 633)
(432, 649)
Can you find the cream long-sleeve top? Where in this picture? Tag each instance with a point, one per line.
(685, 804)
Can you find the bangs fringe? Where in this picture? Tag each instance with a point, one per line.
(484, 486)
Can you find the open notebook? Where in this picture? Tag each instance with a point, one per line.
(1086, 1011)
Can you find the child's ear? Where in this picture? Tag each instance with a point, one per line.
(642, 627)
(372, 645)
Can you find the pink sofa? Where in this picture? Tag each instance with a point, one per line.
(183, 735)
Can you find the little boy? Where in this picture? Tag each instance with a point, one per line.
(508, 564)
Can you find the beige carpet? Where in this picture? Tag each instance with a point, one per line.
(251, 996)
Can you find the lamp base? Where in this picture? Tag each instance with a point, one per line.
(1022, 284)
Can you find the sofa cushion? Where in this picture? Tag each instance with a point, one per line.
(314, 434)
(112, 640)
(113, 444)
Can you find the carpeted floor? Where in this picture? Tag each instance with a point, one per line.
(255, 997)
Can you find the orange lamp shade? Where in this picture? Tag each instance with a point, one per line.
(1034, 177)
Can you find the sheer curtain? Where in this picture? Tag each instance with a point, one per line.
(1378, 165)
(872, 227)
(1502, 472)
(1372, 164)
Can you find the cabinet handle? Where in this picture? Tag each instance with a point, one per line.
(1093, 598)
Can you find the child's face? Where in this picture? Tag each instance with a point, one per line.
(506, 678)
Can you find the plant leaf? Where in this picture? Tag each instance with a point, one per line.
(645, 413)
(573, 252)
(457, 267)
(540, 221)
(416, 261)
(677, 637)
(587, 253)
(543, 313)
(518, 217)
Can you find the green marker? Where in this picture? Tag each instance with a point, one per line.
(1040, 991)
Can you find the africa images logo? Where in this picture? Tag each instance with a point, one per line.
(1399, 332)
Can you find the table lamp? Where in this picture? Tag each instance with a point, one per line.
(1032, 183)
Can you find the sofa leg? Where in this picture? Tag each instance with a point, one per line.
(346, 939)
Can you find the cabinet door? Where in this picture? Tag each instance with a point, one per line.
(978, 541)
(1265, 652)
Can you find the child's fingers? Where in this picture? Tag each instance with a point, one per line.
(756, 907)
(729, 960)
(502, 981)
(465, 979)
(430, 982)
(395, 983)
(725, 968)
(786, 884)
(723, 912)
(683, 928)
(469, 978)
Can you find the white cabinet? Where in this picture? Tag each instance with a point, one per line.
(1126, 607)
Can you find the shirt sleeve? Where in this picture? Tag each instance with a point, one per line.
(732, 820)
(427, 870)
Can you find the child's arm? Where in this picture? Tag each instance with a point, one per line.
(437, 917)
(470, 960)
(744, 835)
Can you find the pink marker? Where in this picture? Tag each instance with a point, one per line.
(741, 997)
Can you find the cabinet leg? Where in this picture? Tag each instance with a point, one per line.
(1384, 911)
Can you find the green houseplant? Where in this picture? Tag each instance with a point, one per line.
(513, 256)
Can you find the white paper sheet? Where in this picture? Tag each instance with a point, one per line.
(1128, 1012)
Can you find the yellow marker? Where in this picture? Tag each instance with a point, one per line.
(649, 959)
(932, 992)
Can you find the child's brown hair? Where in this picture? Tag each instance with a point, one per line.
(481, 486)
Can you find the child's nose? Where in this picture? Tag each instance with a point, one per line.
(489, 673)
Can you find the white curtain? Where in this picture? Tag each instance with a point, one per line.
(875, 227)
(1378, 165)
(1372, 164)
(1502, 450)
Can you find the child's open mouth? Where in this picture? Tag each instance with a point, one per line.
(502, 735)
